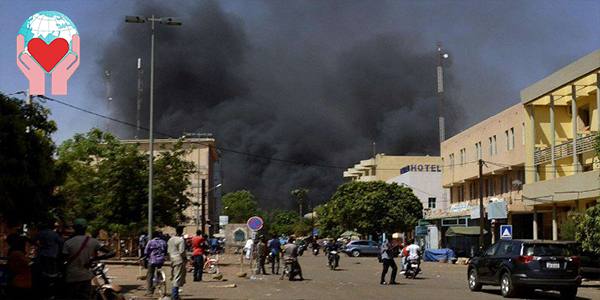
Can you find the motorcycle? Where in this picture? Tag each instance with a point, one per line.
(413, 268)
(334, 259)
(104, 289)
(315, 250)
(290, 269)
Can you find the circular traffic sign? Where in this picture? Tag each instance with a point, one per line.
(255, 223)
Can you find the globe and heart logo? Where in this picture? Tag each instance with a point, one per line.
(48, 43)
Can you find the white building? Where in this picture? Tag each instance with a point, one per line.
(426, 182)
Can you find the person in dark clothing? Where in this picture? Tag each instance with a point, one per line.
(262, 252)
(388, 252)
(49, 246)
(274, 246)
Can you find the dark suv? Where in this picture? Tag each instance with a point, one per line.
(526, 264)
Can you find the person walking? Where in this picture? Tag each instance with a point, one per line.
(262, 252)
(274, 247)
(198, 254)
(388, 252)
(176, 250)
(155, 252)
(79, 251)
(49, 245)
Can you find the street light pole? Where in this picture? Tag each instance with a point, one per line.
(166, 21)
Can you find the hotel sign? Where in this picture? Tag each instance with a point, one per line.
(421, 168)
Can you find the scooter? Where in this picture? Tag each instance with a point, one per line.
(289, 269)
(104, 289)
(334, 259)
(413, 268)
(315, 250)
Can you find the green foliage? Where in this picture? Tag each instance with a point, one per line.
(107, 183)
(370, 208)
(568, 228)
(588, 230)
(299, 196)
(239, 206)
(283, 222)
(28, 174)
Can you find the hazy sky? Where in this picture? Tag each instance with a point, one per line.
(331, 50)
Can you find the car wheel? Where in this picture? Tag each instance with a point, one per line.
(474, 284)
(355, 253)
(506, 286)
(568, 293)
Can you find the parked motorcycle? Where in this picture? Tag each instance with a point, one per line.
(334, 259)
(104, 289)
(413, 268)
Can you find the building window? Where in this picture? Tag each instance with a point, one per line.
(451, 158)
(479, 150)
(523, 133)
(504, 184)
(510, 138)
(463, 156)
(431, 203)
(461, 193)
(493, 148)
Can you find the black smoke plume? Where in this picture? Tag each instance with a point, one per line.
(305, 83)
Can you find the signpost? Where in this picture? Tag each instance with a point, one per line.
(506, 232)
(255, 224)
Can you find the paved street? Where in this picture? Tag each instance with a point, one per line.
(357, 279)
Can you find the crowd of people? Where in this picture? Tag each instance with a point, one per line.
(54, 263)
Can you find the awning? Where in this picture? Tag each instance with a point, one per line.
(459, 230)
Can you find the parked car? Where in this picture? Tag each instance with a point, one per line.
(519, 265)
(361, 247)
(590, 262)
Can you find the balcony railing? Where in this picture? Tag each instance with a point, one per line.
(584, 144)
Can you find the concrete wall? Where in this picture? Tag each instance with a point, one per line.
(424, 186)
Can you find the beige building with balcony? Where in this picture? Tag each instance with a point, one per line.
(201, 152)
(499, 142)
(562, 125)
(384, 167)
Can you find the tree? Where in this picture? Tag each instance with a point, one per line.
(239, 206)
(370, 208)
(28, 173)
(283, 222)
(299, 196)
(107, 183)
(588, 230)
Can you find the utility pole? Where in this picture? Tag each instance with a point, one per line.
(203, 205)
(481, 212)
(152, 20)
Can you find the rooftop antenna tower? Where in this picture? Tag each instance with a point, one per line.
(140, 90)
(107, 84)
(442, 55)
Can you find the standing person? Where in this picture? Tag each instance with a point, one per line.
(79, 251)
(49, 245)
(176, 249)
(142, 241)
(198, 254)
(388, 252)
(274, 246)
(155, 252)
(248, 248)
(261, 251)
(19, 285)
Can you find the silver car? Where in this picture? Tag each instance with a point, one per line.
(361, 247)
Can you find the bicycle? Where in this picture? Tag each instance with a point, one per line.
(211, 266)
(159, 282)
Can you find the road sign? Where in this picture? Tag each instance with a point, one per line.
(506, 232)
(255, 223)
(223, 220)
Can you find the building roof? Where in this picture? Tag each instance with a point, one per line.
(571, 72)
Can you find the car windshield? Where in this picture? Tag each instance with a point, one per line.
(547, 250)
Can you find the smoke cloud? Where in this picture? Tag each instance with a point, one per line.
(313, 82)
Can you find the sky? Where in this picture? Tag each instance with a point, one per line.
(309, 81)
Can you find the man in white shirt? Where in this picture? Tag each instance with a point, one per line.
(176, 250)
(413, 250)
